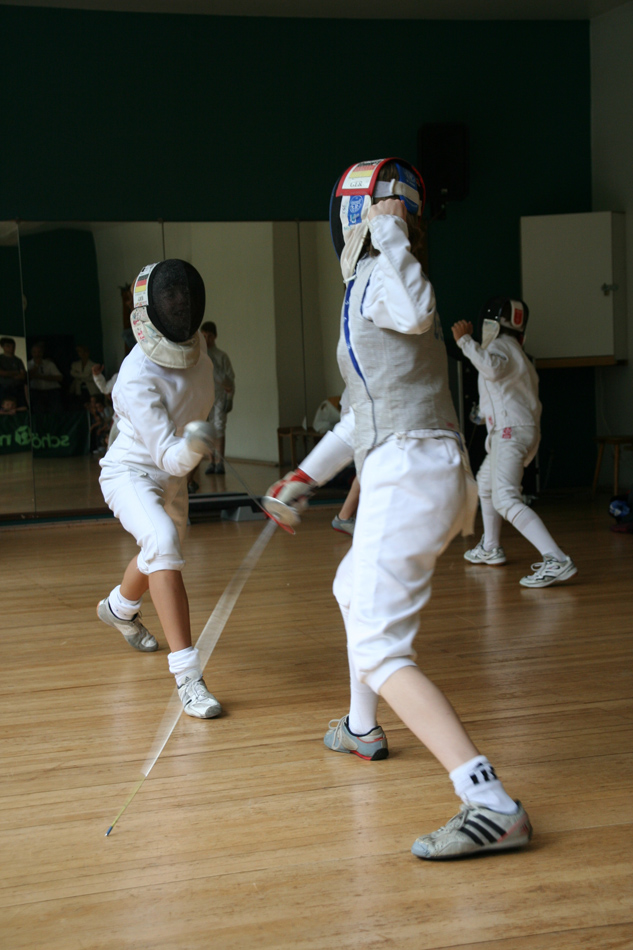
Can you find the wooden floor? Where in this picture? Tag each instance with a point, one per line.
(248, 833)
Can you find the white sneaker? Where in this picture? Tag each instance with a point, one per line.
(479, 555)
(549, 571)
(133, 630)
(475, 828)
(197, 701)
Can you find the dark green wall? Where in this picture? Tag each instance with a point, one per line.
(11, 318)
(61, 285)
(113, 116)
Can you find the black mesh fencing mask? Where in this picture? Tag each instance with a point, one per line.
(176, 299)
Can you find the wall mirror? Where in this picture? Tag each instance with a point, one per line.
(273, 289)
(16, 462)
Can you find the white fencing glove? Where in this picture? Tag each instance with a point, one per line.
(286, 499)
(199, 437)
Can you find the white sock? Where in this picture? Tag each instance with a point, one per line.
(533, 530)
(185, 664)
(121, 607)
(363, 701)
(475, 782)
(362, 708)
(492, 524)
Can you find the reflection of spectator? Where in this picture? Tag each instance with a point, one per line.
(12, 373)
(83, 384)
(9, 406)
(224, 380)
(106, 387)
(45, 382)
(100, 422)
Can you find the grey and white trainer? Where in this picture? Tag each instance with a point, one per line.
(133, 630)
(479, 555)
(371, 747)
(197, 701)
(475, 829)
(549, 571)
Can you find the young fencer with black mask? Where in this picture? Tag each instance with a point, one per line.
(165, 383)
(509, 403)
(416, 494)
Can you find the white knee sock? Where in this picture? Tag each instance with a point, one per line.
(121, 607)
(363, 701)
(533, 530)
(362, 708)
(185, 664)
(492, 524)
(475, 782)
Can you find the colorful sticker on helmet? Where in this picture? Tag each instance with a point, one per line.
(354, 209)
(141, 295)
(360, 177)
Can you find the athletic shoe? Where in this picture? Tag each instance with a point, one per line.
(197, 700)
(549, 571)
(210, 469)
(475, 829)
(479, 555)
(133, 630)
(344, 525)
(372, 746)
(219, 470)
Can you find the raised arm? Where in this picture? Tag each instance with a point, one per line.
(399, 296)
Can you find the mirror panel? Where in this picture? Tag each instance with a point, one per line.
(274, 291)
(74, 275)
(16, 469)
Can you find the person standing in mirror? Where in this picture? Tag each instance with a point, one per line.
(83, 385)
(224, 379)
(12, 373)
(164, 383)
(45, 381)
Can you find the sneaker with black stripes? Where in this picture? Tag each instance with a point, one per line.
(475, 829)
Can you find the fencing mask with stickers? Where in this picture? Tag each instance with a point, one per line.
(500, 312)
(169, 304)
(352, 198)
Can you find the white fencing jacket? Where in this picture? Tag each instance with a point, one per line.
(153, 405)
(508, 382)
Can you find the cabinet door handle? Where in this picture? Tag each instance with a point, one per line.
(606, 288)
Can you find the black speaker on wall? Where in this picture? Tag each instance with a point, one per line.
(443, 163)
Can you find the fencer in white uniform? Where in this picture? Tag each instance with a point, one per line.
(508, 400)
(164, 384)
(416, 494)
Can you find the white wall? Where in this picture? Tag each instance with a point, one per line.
(235, 260)
(612, 174)
(122, 249)
(331, 290)
(254, 285)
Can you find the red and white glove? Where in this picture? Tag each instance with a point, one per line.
(293, 490)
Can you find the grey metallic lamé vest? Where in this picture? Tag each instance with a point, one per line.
(397, 382)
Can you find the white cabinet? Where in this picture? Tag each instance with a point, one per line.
(573, 280)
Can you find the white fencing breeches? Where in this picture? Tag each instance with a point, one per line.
(154, 509)
(501, 473)
(413, 501)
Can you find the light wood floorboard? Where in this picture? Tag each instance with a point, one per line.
(248, 833)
